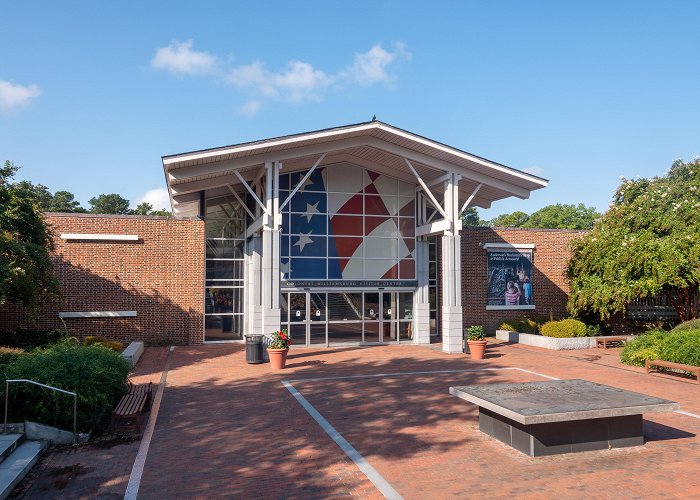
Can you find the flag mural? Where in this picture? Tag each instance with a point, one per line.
(348, 223)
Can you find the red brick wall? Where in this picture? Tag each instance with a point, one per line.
(549, 287)
(160, 276)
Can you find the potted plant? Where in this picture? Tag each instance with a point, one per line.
(278, 349)
(476, 341)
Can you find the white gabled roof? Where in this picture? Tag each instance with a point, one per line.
(372, 144)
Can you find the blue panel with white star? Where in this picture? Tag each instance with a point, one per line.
(306, 245)
(303, 200)
(308, 223)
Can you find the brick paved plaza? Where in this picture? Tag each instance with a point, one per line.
(229, 429)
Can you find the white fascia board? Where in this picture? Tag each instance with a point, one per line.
(461, 154)
(505, 246)
(101, 237)
(97, 314)
(265, 145)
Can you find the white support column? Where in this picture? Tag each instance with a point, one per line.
(421, 301)
(451, 272)
(270, 252)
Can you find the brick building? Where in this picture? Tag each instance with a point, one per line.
(343, 235)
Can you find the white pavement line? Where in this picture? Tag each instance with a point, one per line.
(132, 488)
(379, 482)
(535, 373)
(687, 414)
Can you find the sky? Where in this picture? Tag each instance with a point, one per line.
(92, 94)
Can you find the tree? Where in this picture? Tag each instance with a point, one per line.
(26, 272)
(38, 192)
(146, 208)
(470, 217)
(109, 204)
(516, 219)
(647, 243)
(560, 216)
(63, 201)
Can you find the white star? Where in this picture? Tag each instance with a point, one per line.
(284, 267)
(311, 210)
(307, 182)
(303, 241)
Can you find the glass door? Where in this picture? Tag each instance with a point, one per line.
(389, 315)
(297, 318)
(317, 318)
(371, 315)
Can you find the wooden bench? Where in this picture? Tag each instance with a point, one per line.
(675, 366)
(132, 405)
(612, 341)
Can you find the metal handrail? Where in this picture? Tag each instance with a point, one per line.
(75, 403)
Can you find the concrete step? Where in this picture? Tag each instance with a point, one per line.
(8, 444)
(16, 466)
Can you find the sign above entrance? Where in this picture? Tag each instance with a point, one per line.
(350, 283)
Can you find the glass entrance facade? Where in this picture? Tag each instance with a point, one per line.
(337, 317)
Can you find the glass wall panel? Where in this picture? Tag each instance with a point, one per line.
(345, 306)
(344, 332)
(318, 333)
(223, 327)
(372, 332)
(225, 250)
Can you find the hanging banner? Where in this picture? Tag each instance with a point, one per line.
(509, 279)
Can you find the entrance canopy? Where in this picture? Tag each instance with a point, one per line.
(375, 145)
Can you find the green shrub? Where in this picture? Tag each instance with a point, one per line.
(527, 325)
(693, 324)
(564, 329)
(97, 374)
(9, 354)
(646, 346)
(96, 339)
(30, 338)
(506, 326)
(681, 347)
(594, 331)
(114, 345)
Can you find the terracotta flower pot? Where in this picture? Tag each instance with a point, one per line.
(278, 358)
(477, 348)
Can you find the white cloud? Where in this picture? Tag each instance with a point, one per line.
(534, 170)
(157, 197)
(297, 82)
(250, 108)
(179, 58)
(373, 66)
(13, 96)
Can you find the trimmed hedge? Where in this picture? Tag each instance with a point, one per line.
(693, 324)
(30, 338)
(565, 328)
(96, 373)
(680, 346)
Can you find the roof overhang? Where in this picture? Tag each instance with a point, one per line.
(374, 145)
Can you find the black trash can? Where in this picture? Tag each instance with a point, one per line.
(254, 349)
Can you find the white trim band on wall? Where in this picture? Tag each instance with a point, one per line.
(102, 237)
(98, 314)
(501, 246)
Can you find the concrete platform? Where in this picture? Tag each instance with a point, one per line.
(562, 416)
(17, 464)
